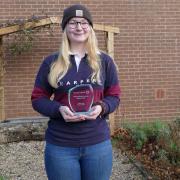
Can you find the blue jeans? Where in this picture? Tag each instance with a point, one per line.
(85, 163)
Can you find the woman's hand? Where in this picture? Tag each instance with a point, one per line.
(69, 116)
(94, 112)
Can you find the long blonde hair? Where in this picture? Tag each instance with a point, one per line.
(60, 67)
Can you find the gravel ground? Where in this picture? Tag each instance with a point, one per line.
(24, 161)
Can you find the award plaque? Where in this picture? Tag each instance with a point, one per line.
(80, 98)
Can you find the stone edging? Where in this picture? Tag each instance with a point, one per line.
(15, 130)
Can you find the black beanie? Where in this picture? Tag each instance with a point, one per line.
(76, 11)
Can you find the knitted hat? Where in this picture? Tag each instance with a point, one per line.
(76, 11)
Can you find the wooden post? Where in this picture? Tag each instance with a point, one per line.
(110, 48)
(110, 44)
(2, 111)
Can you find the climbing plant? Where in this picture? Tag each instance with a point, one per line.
(22, 41)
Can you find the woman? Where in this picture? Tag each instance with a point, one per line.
(78, 145)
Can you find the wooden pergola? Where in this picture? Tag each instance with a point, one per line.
(110, 31)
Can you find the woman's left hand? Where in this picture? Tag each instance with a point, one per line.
(94, 112)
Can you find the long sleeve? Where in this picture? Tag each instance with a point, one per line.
(42, 92)
(112, 91)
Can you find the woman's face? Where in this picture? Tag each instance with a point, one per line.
(78, 30)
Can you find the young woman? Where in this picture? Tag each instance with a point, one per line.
(78, 145)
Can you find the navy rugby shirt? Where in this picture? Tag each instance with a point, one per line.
(75, 134)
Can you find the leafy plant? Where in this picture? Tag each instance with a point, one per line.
(177, 122)
(172, 143)
(165, 136)
(155, 144)
(3, 177)
(137, 135)
(22, 41)
(141, 134)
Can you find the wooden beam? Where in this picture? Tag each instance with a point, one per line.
(110, 49)
(33, 24)
(110, 44)
(2, 110)
(47, 21)
(106, 28)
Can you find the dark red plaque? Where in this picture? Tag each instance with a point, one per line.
(81, 98)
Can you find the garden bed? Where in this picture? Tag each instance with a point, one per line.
(155, 145)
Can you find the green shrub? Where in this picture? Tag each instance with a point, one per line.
(141, 134)
(165, 135)
(172, 144)
(3, 177)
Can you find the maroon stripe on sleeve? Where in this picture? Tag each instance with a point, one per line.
(38, 93)
(112, 91)
(61, 97)
(98, 95)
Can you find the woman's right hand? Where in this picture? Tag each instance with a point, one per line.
(69, 116)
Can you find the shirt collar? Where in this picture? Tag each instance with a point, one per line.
(71, 53)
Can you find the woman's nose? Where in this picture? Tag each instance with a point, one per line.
(78, 26)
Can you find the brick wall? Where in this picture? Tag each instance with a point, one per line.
(146, 51)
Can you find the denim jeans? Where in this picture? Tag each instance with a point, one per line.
(85, 163)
